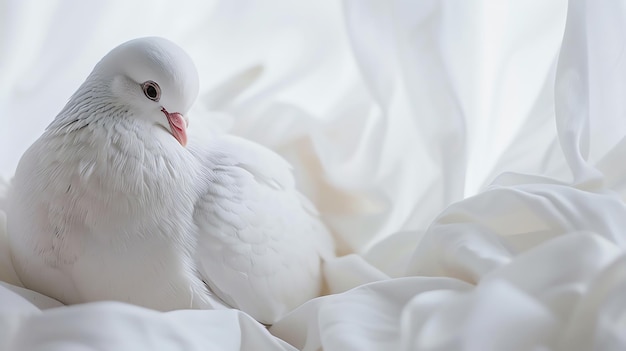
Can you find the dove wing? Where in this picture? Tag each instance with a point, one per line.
(260, 240)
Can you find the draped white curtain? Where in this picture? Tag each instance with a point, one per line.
(468, 156)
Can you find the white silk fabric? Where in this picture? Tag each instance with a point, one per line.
(468, 156)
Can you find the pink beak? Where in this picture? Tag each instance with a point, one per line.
(178, 126)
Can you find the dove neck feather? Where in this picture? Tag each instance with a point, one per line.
(90, 102)
(98, 134)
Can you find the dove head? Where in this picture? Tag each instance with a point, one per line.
(154, 80)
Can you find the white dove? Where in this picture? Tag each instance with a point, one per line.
(109, 204)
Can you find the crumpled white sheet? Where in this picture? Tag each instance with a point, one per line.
(467, 155)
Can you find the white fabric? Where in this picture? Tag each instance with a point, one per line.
(469, 157)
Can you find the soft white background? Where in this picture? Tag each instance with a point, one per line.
(466, 154)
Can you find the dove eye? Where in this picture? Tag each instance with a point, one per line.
(151, 90)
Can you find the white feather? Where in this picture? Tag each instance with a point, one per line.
(260, 245)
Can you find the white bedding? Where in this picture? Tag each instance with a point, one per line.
(469, 157)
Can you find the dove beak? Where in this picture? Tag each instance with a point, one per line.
(178, 126)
